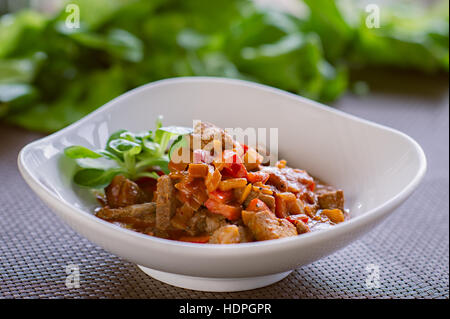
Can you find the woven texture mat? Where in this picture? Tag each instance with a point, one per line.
(410, 248)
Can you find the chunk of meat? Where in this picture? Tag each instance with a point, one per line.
(269, 200)
(213, 222)
(124, 192)
(204, 222)
(331, 200)
(245, 234)
(300, 222)
(165, 202)
(228, 234)
(138, 217)
(289, 179)
(287, 204)
(205, 133)
(231, 212)
(265, 225)
(144, 211)
(302, 227)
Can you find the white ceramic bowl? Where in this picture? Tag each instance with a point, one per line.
(377, 167)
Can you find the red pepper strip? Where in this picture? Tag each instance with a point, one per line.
(229, 211)
(221, 196)
(295, 218)
(195, 239)
(257, 205)
(233, 165)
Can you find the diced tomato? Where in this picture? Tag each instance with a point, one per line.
(291, 220)
(257, 205)
(221, 196)
(233, 166)
(244, 147)
(195, 239)
(304, 219)
(235, 170)
(201, 156)
(229, 211)
(254, 177)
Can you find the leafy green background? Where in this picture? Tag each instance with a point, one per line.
(51, 76)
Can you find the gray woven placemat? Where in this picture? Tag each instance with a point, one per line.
(411, 248)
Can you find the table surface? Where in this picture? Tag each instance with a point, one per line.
(410, 248)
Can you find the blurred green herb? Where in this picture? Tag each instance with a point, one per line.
(126, 153)
(51, 72)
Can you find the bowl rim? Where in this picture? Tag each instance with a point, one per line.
(353, 223)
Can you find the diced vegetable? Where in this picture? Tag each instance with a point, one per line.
(212, 179)
(257, 205)
(334, 215)
(229, 211)
(221, 196)
(252, 159)
(198, 170)
(300, 222)
(233, 166)
(245, 193)
(232, 183)
(281, 164)
(254, 177)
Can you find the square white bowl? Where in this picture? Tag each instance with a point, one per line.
(377, 167)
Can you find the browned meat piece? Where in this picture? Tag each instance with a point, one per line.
(269, 200)
(245, 235)
(204, 222)
(264, 225)
(276, 178)
(207, 132)
(228, 234)
(144, 211)
(301, 227)
(165, 202)
(124, 192)
(289, 179)
(331, 200)
(231, 234)
(138, 217)
(213, 222)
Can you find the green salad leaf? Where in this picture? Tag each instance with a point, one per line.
(125, 153)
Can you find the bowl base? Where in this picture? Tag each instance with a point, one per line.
(214, 284)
